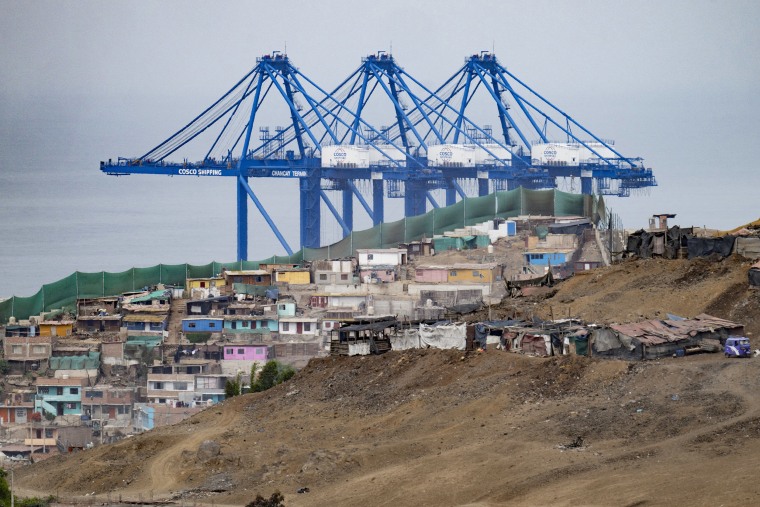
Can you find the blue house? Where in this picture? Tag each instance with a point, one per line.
(58, 396)
(202, 325)
(286, 308)
(545, 258)
(249, 324)
(145, 322)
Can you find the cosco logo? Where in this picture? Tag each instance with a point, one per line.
(340, 153)
(550, 153)
(446, 153)
(191, 172)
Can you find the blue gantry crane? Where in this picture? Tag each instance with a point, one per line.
(423, 141)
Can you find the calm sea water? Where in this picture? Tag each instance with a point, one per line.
(60, 214)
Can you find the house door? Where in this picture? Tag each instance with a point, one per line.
(59, 407)
(299, 327)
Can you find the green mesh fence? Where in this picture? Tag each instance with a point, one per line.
(472, 210)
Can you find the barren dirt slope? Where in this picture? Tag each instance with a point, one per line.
(651, 288)
(446, 428)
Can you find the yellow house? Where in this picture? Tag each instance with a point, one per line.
(203, 283)
(292, 276)
(56, 328)
(474, 273)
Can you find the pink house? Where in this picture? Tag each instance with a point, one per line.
(431, 274)
(245, 352)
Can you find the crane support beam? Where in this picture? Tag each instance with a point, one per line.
(431, 199)
(378, 204)
(483, 186)
(310, 212)
(244, 183)
(458, 189)
(414, 198)
(334, 211)
(348, 208)
(451, 195)
(361, 199)
(242, 219)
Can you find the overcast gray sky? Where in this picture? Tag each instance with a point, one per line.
(674, 82)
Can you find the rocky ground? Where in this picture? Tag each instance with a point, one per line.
(434, 427)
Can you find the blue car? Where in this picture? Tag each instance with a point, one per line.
(737, 346)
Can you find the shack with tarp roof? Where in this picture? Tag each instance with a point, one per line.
(364, 336)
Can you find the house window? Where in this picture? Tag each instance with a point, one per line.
(158, 385)
(370, 257)
(453, 273)
(258, 278)
(323, 277)
(282, 307)
(307, 326)
(286, 326)
(49, 431)
(212, 324)
(74, 390)
(344, 276)
(95, 394)
(241, 351)
(16, 349)
(191, 325)
(180, 386)
(245, 323)
(156, 326)
(230, 351)
(20, 413)
(203, 285)
(39, 349)
(43, 390)
(233, 324)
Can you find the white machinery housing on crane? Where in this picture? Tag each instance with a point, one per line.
(345, 156)
(569, 154)
(467, 155)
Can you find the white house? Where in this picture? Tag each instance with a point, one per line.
(381, 257)
(298, 326)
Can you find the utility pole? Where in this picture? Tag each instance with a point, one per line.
(610, 231)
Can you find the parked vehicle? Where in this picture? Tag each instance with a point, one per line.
(737, 346)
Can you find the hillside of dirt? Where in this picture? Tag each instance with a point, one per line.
(431, 427)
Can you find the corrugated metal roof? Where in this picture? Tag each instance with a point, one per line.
(487, 265)
(156, 294)
(657, 332)
(145, 317)
(60, 381)
(247, 272)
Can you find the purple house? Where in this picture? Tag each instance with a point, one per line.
(246, 352)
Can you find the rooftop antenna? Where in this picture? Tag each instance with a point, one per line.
(286, 47)
(390, 50)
